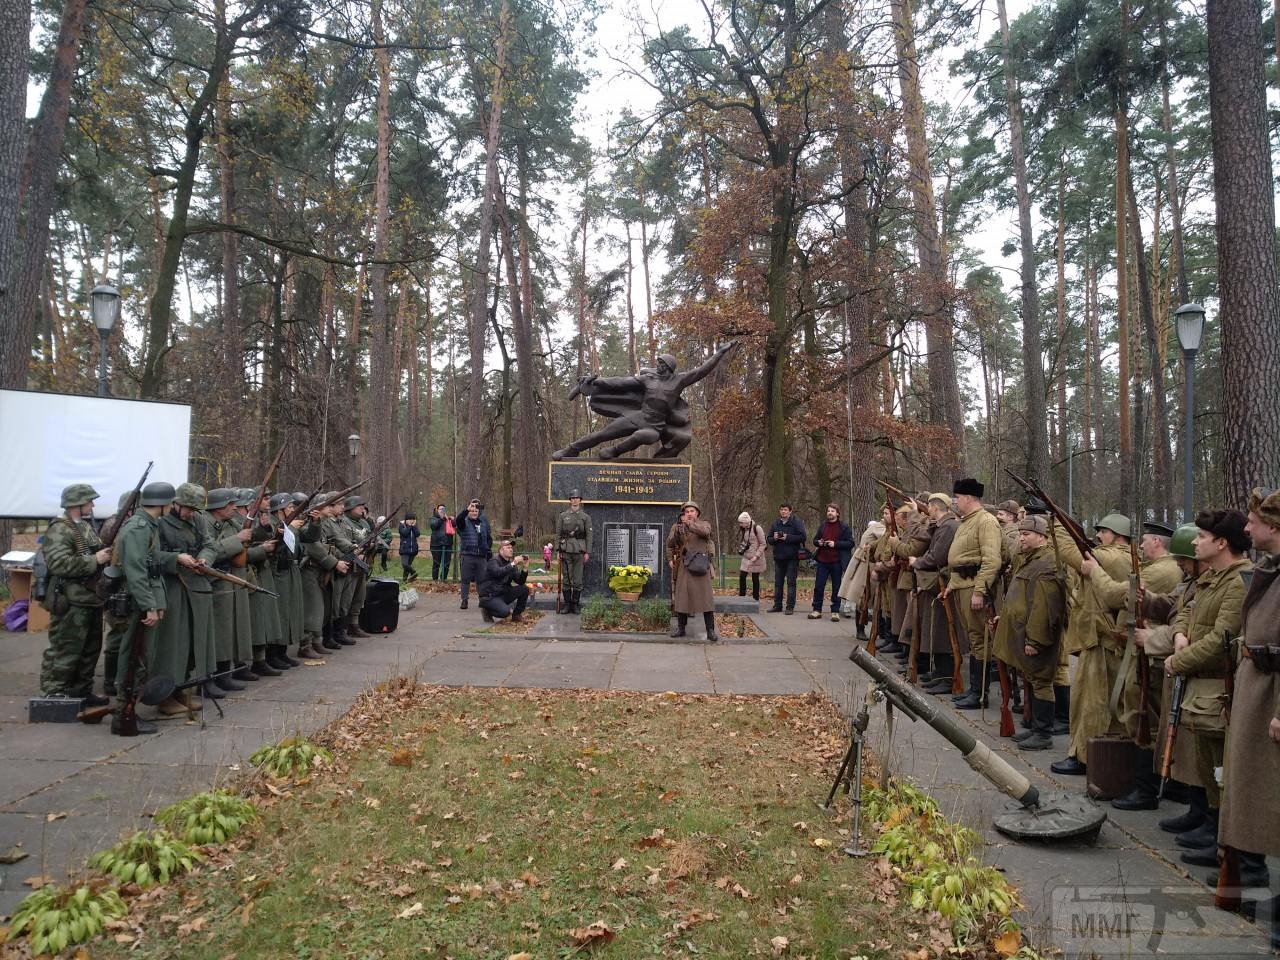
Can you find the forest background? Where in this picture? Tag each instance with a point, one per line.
(404, 219)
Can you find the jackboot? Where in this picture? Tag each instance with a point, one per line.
(338, 630)
(1041, 737)
(307, 649)
(211, 691)
(264, 669)
(110, 665)
(682, 620)
(1146, 784)
(1205, 835)
(353, 627)
(227, 681)
(188, 700)
(709, 619)
(1192, 818)
(972, 698)
(1015, 692)
(1061, 709)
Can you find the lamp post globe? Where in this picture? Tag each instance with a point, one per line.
(104, 305)
(1189, 321)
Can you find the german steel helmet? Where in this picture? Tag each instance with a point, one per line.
(355, 500)
(220, 497)
(280, 501)
(78, 493)
(159, 494)
(190, 495)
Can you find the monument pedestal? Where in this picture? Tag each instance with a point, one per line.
(632, 505)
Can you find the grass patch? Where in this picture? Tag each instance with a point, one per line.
(611, 615)
(485, 823)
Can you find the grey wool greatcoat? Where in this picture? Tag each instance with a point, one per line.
(185, 635)
(232, 631)
(691, 594)
(1251, 771)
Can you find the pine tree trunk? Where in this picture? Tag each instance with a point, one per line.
(1060, 368)
(480, 282)
(1127, 487)
(15, 34)
(377, 445)
(1249, 310)
(944, 387)
(232, 339)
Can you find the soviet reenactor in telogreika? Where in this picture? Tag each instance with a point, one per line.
(1203, 633)
(143, 564)
(74, 555)
(573, 541)
(1030, 628)
(974, 565)
(1160, 575)
(1093, 639)
(935, 641)
(185, 645)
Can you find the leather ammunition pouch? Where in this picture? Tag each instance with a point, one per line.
(966, 571)
(1265, 656)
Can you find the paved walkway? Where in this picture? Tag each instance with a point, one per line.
(69, 790)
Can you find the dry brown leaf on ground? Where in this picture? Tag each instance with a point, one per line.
(35, 883)
(593, 935)
(921, 954)
(778, 945)
(13, 855)
(401, 758)
(520, 956)
(619, 864)
(656, 839)
(411, 911)
(1008, 943)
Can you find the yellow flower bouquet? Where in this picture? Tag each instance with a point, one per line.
(629, 579)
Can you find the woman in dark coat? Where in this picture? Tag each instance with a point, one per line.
(409, 533)
(691, 592)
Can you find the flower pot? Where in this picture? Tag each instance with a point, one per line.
(628, 597)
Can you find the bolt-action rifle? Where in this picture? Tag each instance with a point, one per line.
(1139, 622)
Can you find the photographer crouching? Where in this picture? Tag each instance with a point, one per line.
(502, 587)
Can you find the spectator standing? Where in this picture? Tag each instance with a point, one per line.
(834, 542)
(786, 536)
(409, 533)
(475, 546)
(442, 532)
(690, 547)
(751, 546)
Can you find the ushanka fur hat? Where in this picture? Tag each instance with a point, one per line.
(968, 486)
(1266, 504)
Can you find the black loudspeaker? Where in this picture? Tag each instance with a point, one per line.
(381, 611)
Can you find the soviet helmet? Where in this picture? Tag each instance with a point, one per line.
(1117, 523)
(159, 494)
(190, 495)
(280, 501)
(1183, 541)
(77, 494)
(220, 497)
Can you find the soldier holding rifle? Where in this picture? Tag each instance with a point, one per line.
(974, 564)
(944, 643)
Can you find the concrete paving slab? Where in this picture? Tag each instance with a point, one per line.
(30, 776)
(120, 789)
(55, 741)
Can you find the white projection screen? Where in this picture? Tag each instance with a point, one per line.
(50, 440)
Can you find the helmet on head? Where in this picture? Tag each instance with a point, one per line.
(353, 501)
(1183, 541)
(220, 497)
(668, 359)
(1117, 523)
(78, 494)
(280, 501)
(159, 494)
(190, 495)
(245, 496)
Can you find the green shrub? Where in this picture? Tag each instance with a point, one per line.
(55, 917)
(292, 757)
(208, 817)
(146, 858)
(654, 612)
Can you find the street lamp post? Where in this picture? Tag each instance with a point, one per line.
(1190, 323)
(104, 304)
(353, 445)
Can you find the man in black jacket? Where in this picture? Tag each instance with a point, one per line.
(475, 546)
(786, 536)
(502, 584)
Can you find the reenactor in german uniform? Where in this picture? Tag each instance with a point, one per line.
(74, 555)
(974, 564)
(928, 569)
(288, 576)
(1251, 772)
(268, 649)
(1093, 638)
(342, 581)
(315, 562)
(357, 518)
(232, 632)
(1031, 624)
(1203, 634)
(1160, 575)
(184, 638)
(112, 626)
(573, 536)
(1157, 643)
(143, 564)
